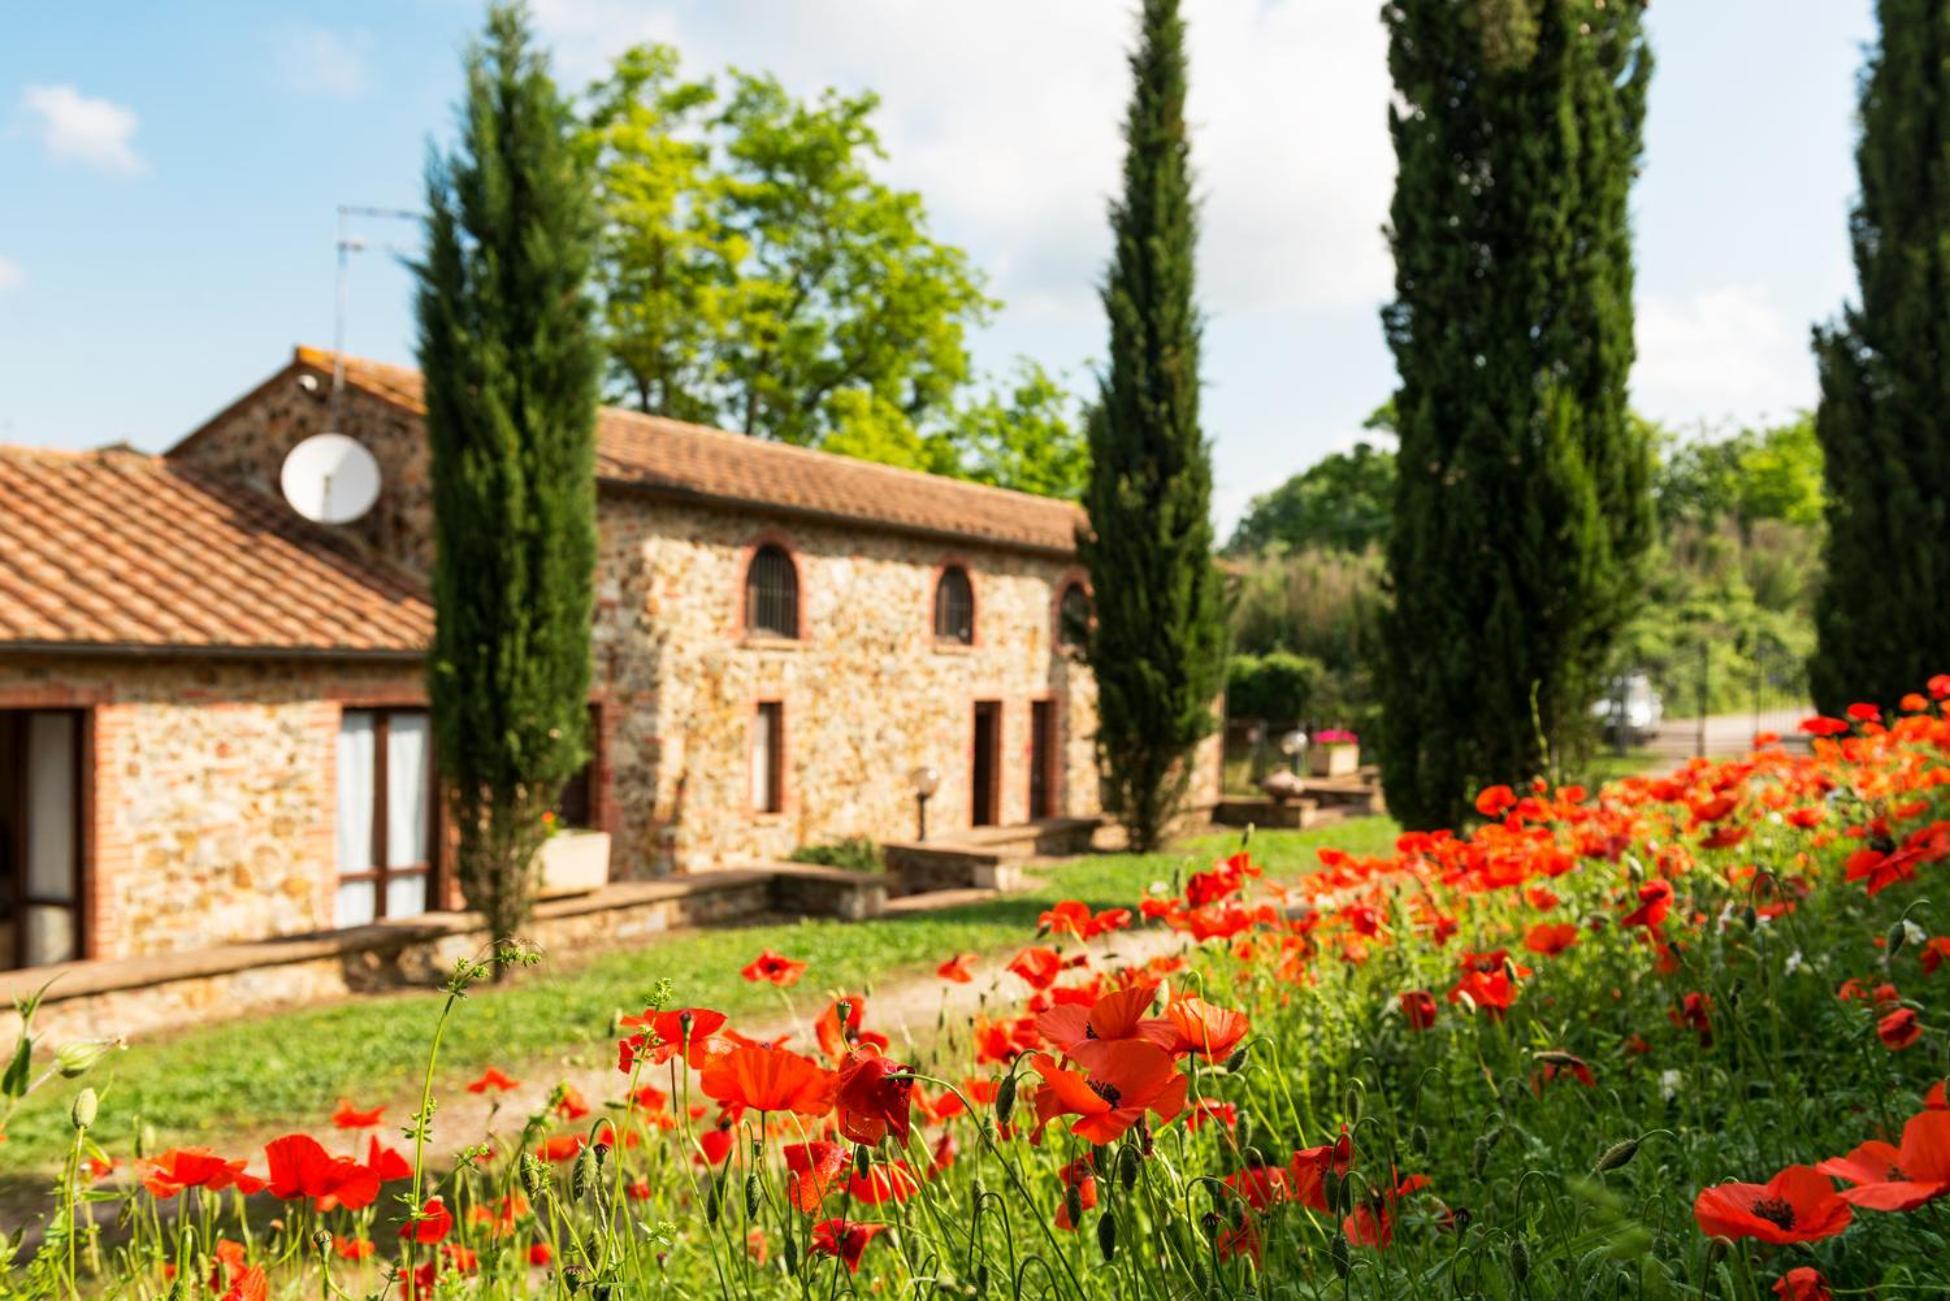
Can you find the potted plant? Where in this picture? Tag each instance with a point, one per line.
(573, 861)
(1334, 753)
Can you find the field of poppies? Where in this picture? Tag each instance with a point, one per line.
(1679, 1037)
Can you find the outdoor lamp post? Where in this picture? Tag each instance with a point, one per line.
(1293, 745)
(925, 781)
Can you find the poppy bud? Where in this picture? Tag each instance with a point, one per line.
(1899, 935)
(145, 1139)
(862, 1160)
(791, 1255)
(83, 1112)
(1617, 1155)
(1253, 1157)
(1352, 1105)
(1331, 1186)
(1237, 1212)
(1339, 1254)
(1418, 1138)
(75, 1059)
(751, 1197)
(843, 1009)
(1210, 1222)
(1107, 1234)
(1005, 1099)
(321, 1241)
(1237, 1061)
(602, 1291)
(1519, 1259)
(579, 1175)
(1127, 1168)
(982, 1278)
(1145, 1143)
(1073, 1204)
(575, 1276)
(534, 1175)
(712, 1198)
(1750, 917)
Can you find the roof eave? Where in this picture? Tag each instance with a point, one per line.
(163, 650)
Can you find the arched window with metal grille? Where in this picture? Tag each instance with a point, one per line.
(954, 607)
(1073, 616)
(772, 593)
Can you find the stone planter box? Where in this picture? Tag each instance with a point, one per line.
(574, 862)
(1334, 760)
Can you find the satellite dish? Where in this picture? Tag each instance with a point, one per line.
(330, 479)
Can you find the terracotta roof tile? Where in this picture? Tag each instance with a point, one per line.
(117, 549)
(651, 453)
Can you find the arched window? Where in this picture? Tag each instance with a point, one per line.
(772, 593)
(1072, 616)
(954, 607)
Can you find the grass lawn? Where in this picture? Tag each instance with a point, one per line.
(1609, 765)
(208, 1084)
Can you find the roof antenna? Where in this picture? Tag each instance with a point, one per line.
(348, 244)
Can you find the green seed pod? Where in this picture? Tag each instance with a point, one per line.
(1617, 1155)
(75, 1059)
(1519, 1259)
(712, 1200)
(1005, 1099)
(1073, 1204)
(1107, 1235)
(1750, 918)
(1331, 1185)
(791, 1256)
(579, 1175)
(1127, 1167)
(534, 1175)
(862, 1160)
(982, 1278)
(1418, 1138)
(85, 1106)
(1339, 1253)
(751, 1197)
(1236, 1062)
(1352, 1105)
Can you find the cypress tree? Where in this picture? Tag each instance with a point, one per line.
(511, 365)
(1157, 643)
(1882, 619)
(1522, 512)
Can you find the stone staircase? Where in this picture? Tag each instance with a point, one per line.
(985, 858)
(1321, 802)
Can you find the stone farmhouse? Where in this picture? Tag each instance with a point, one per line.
(216, 775)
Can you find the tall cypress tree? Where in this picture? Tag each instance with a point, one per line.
(511, 363)
(1882, 617)
(1157, 644)
(1522, 511)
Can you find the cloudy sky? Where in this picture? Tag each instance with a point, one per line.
(169, 176)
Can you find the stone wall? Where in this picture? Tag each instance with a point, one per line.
(210, 819)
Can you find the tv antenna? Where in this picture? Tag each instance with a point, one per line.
(348, 244)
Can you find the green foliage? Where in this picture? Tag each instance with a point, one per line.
(1522, 511)
(1279, 687)
(508, 349)
(854, 853)
(1343, 501)
(1882, 619)
(1326, 606)
(1773, 473)
(1157, 646)
(756, 274)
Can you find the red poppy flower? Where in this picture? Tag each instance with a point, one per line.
(1206, 1030)
(845, 1239)
(1899, 1029)
(1129, 1078)
(1824, 726)
(248, 1285)
(943, 1154)
(352, 1248)
(561, 1147)
(350, 1117)
(432, 1224)
(1898, 1179)
(957, 968)
(1226, 1114)
(1695, 1012)
(1038, 966)
(1796, 1205)
(768, 1079)
(1307, 1172)
(569, 1102)
(539, 1254)
(872, 1094)
(1077, 1175)
(495, 1079)
(1372, 1222)
(388, 1165)
(299, 1167)
(195, 1167)
(1937, 1099)
(1558, 1063)
(1655, 901)
(839, 1035)
(1549, 939)
(1935, 951)
(1495, 801)
(1240, 1240)
(1803, 1283)
(1492, 992)
(1081, 1031)
(1070, 917)
(1418, 1008)
(774, 967)
(883, 1183)
(814, 1172)
(664, 1035)
(714, 1147)
(1260, 1186)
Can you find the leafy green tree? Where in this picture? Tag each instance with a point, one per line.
(1026, 435)
(1344, 501)
(1772, 473)
(758, 275)
(512, 366)
(1882, 620)
(1278, 687)
(1522, 510)
(1157, 645)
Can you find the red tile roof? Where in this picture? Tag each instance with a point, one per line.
(653, 454)
(118, 550)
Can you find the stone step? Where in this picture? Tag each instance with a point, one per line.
(988, 858)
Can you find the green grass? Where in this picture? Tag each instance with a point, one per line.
(1609, 765)
(215, 1082)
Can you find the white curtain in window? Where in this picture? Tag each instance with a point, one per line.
(51, 742)
(407, 753)
(357, 900)
(764, 748)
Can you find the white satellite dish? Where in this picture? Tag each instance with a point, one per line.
(330, 478)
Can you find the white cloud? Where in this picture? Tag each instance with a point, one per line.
(316, 60)
(1005, 116)
(1729, 352)
(96, 132)
(11, 276)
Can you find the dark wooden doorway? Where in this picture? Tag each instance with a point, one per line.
(984, 786)
(1042, 759)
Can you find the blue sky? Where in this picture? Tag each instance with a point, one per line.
(169, 175)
